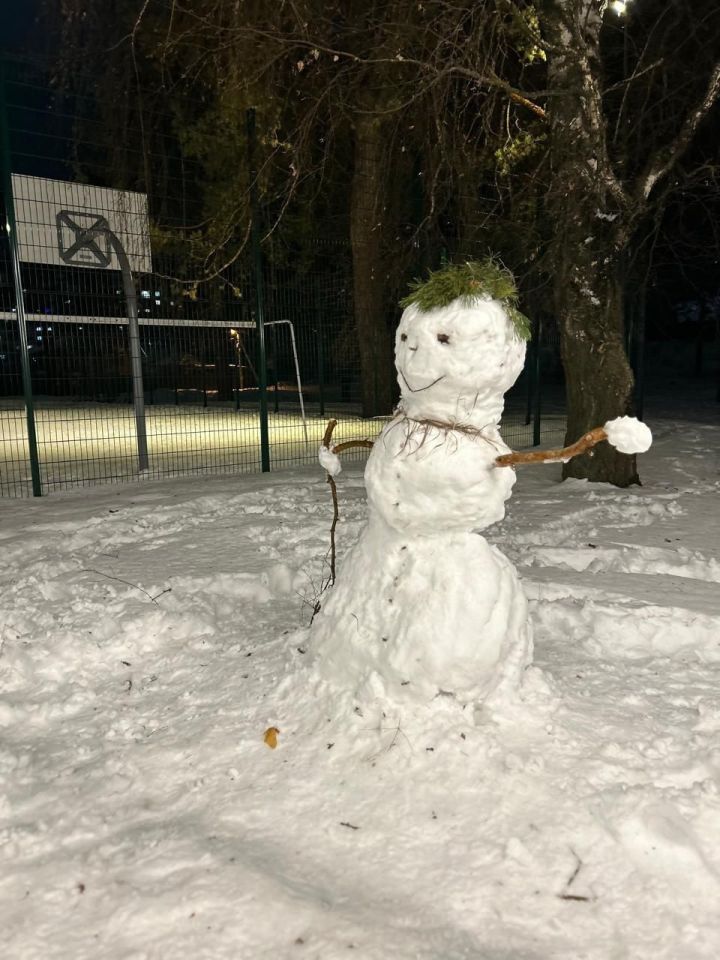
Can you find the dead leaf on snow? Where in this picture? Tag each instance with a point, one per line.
(270, 738)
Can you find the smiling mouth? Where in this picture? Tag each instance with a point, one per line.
(419, 389)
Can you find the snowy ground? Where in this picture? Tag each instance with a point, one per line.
(150, 634)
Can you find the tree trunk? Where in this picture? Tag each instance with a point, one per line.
(598, 377)
(369, 288)
(585, 204)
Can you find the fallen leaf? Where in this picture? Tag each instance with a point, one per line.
(270, 738)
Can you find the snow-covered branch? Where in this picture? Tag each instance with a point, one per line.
(661, 164)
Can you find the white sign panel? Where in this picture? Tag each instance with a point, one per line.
(67, 224)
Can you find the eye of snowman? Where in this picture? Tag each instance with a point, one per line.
(443, 338)
(403, 337)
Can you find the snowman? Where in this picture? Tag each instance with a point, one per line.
(424, 606)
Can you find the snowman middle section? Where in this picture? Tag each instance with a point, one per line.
(424, 606)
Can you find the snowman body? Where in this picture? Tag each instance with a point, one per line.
(423, 605)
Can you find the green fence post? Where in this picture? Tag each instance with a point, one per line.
(537, 387)
(530, 386)
(11, 229)
(319, 331)
(259, 294)
(321, 366)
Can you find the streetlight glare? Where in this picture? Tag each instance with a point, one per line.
(619, 6)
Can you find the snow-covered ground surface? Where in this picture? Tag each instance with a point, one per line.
(151, 634)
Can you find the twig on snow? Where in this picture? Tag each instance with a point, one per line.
(566, 895)
(127, 583)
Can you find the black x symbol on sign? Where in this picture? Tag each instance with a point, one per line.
(83, 238)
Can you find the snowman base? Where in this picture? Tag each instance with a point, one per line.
(416, 618)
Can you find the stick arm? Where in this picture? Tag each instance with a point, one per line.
(330, 479)
(585, 442)
(346, 444)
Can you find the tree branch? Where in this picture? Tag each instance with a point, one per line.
(665, 159)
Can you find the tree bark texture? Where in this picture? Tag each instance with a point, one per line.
(369, 287)
(585, 205)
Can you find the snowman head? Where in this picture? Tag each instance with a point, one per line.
(456, 359)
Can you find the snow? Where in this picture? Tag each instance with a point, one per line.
(416, 618)
(330, 461)
(423, 480)
(151, 634)
(628, 435)
(462, 380)
(423, 606)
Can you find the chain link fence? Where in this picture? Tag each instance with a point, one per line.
(117, 363)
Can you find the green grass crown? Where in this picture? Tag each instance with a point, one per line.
(470, 281)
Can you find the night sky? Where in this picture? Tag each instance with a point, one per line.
(18, 21)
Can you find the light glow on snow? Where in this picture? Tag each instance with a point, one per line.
(86, 442)
(90, 442)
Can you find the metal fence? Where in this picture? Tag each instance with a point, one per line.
(117, 364)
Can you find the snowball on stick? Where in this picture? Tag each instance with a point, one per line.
(628, 435)
(330, 461)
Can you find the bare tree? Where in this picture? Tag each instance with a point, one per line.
(599, 193)
(572, 119)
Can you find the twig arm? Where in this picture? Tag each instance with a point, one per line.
(330, 480)
(585, 442)
(349, 444)
(327, 436)
(336, 516)
(346, 444)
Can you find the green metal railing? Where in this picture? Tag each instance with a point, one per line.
(126, 363)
